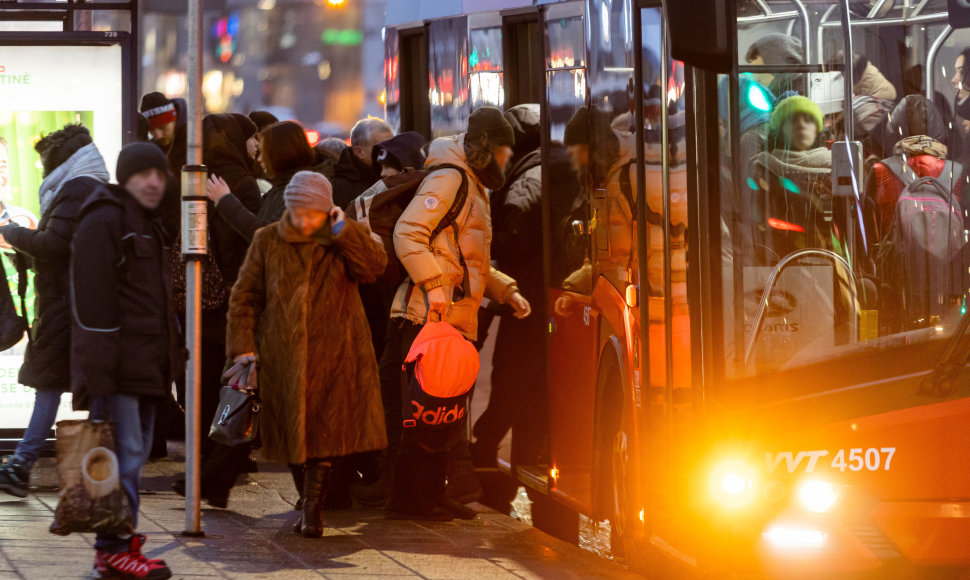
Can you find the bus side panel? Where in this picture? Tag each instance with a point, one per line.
(572, 395)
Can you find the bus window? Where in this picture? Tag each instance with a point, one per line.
(523, 80)
(825, 184)
(568, 150)
(392, 79)
(485, 72)
(447, 55)
(412, 64)
(612, 155)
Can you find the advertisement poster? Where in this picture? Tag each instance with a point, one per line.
(43, 88)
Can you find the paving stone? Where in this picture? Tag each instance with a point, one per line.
(254, 539)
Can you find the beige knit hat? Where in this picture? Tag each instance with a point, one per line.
(310, 190)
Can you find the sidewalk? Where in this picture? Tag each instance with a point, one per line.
(254, 539)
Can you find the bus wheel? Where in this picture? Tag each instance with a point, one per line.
(624, 513)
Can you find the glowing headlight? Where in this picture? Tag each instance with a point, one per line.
(733, 483)
(794, 537)
(817, 496)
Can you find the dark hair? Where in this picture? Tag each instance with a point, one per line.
(285, 148)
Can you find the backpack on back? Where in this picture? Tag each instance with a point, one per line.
(917, 253)
(380, 209)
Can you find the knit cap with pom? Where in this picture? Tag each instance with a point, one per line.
(309, 190)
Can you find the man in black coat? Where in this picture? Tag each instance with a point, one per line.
(126, 347)
(356, 170)
(73, 169)
(168, 128)
(518, 372)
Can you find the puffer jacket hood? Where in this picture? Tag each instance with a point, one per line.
(439, 260)
(914, 115)
(873, 84)
(525, 123)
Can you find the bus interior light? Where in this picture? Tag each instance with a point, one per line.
(789, 537)
(818, 496)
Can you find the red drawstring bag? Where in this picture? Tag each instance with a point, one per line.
(442, 367)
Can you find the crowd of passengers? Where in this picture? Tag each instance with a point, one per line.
(786, 193)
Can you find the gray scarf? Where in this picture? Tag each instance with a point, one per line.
(86, 162)
(816, 161)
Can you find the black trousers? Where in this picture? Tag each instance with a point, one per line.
(419, 455)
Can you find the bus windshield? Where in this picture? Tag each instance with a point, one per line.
(844, 203)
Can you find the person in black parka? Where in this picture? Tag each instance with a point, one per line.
(73, 170)
(518, 380)
(283, 152)
(224, 152)
(228, 140)
(126, 345)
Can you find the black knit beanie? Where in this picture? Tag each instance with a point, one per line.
(490, 125)
(577, 130)
(138, 157)
(153, 101)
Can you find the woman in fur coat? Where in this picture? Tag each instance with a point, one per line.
(295, 309)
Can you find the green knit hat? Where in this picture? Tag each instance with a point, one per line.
(792, 106)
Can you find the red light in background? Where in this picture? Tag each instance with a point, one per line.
(312, 137)
(784, 226)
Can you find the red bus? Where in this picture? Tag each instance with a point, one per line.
(750, 365)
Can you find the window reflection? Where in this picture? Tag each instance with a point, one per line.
(448, 75)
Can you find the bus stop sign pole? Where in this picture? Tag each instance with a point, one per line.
(194, 247)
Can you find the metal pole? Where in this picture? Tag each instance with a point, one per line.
(193, 247)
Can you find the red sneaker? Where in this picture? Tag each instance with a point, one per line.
(130, 565)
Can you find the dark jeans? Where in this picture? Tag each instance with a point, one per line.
(41, 421)
(134, 422)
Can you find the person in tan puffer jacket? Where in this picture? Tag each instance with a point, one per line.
(438, 287)
(435, 264)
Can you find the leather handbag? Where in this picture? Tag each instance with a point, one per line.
(237, 417)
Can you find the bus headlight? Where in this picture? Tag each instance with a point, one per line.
(794, 537)
(817, 496)
(733, 484)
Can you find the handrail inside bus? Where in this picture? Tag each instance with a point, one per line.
(931, 58)
(912, 19)
(799, 12)
(773, 277)
(919, 7)
(763, 6)
(875, 9)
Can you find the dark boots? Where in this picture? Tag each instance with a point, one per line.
(296, 470)
(315, 479)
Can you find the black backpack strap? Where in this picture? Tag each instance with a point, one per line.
(461, 196)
